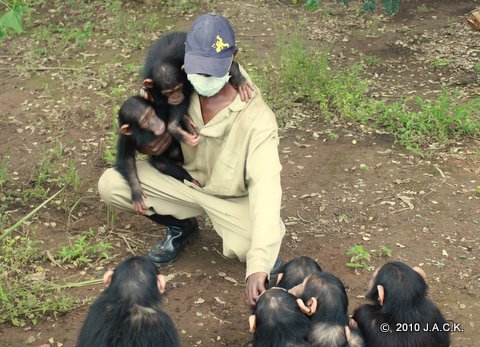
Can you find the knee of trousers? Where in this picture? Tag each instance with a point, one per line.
(110, 184)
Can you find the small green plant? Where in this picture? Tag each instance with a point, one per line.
(360, 258)
(386, 251)
(69, 178)
(440, 63)
(11, 20)
(3, 170)
(422, 8)
(370, 60)
(85, 250)
(477, 70)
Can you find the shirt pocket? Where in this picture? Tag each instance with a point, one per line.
(228, 176)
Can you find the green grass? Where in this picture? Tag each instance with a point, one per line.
(308, 77)
(25, 294)
(85, 249)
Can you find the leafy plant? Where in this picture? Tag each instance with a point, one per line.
(84, 250)
(360, 258)
(11, 20)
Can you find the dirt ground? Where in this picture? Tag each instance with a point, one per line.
(357, 187)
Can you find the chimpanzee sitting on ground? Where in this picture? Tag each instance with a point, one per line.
(296, 270)
(166, 84)
(141, 128)
(277, 321)
(401, 314)
(322, 296)
(128, 312)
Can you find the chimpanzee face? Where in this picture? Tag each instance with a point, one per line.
(174, 95)
(150, 122)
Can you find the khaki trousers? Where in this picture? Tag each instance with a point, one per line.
(168, 196)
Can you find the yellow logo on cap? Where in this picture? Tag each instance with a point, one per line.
(220, 45)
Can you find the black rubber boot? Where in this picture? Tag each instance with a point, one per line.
(179, 233)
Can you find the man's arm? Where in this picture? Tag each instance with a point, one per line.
(265, 195)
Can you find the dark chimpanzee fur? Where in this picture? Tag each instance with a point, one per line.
(139, 125)
(327, 303)
(296, 270)
(405, 302)
(278, 321)
(128, 313)
(166, 83)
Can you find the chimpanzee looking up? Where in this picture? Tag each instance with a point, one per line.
(296, 270)
(401, 313)
(277, 321)
(140, 128)
(166, 84)
(322, 296)
(128, 312)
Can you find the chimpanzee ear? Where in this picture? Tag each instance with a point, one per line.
(310, 308)
(182, 67)
(312, 303)
(348, 334)
(161, 282)
(381, 294)
(125, 130)
(279, 277)
(420, 272)
(252, 322)
(107, 278)
(148, 83)
(352, 323)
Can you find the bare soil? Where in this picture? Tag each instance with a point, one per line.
(358, 187)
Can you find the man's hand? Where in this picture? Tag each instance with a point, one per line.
(255, 287)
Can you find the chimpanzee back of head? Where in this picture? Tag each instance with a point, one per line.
(399, 299)
(322, 296)
(128, 313)
(296, 270)
(278, 321)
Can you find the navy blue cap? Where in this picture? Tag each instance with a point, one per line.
(210, 46)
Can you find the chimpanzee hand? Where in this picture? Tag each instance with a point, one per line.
(255, 287)
(139, 205)
(245, 90)
(190, 137)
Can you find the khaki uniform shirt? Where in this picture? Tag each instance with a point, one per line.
(238, 156)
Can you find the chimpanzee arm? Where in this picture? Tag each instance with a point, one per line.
(240, 83)
(126, 165)
(178, 114)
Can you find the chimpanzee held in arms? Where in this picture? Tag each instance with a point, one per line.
(322, 296)
(128, 313)
(167, 85)
(140, 128)
(296, 270)
(401, 314)
(278, 322)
